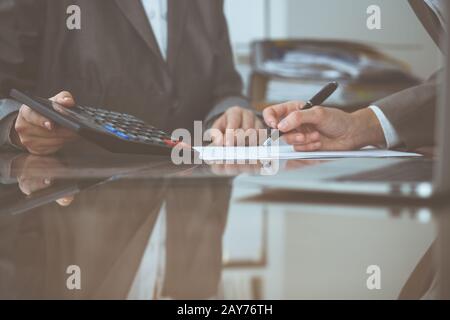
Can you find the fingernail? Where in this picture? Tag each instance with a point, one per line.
(47, 181)
(64, 99)
(273, 124)
(48, 125)
(282, 125)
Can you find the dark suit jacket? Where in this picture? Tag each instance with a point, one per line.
(413, 111)
(114, 60)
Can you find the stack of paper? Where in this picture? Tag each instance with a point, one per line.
(287, 153)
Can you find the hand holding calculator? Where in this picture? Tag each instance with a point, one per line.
(116, 132)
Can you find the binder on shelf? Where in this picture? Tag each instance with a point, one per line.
(295, 69)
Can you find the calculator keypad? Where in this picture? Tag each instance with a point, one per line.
(127, 127)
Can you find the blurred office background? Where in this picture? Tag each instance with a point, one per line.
(401, 37)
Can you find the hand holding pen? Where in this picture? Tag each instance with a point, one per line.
(321, 128)
(272, 114)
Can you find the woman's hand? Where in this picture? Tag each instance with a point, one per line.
(321, 128)
(39, 135)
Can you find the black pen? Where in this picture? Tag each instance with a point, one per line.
(317, 100)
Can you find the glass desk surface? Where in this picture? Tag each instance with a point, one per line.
(142, 228)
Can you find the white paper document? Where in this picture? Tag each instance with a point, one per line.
(288, 152)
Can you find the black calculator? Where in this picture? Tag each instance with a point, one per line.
(114, 131)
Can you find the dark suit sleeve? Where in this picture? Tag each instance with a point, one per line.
(20, 22)
(228, 83)
(412, 112)
(6, 125)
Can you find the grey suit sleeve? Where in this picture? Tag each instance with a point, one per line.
(412, 112)
(228, 87)
(20, 22)
(8, 113)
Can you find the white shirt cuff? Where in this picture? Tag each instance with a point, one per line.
(390, 134)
